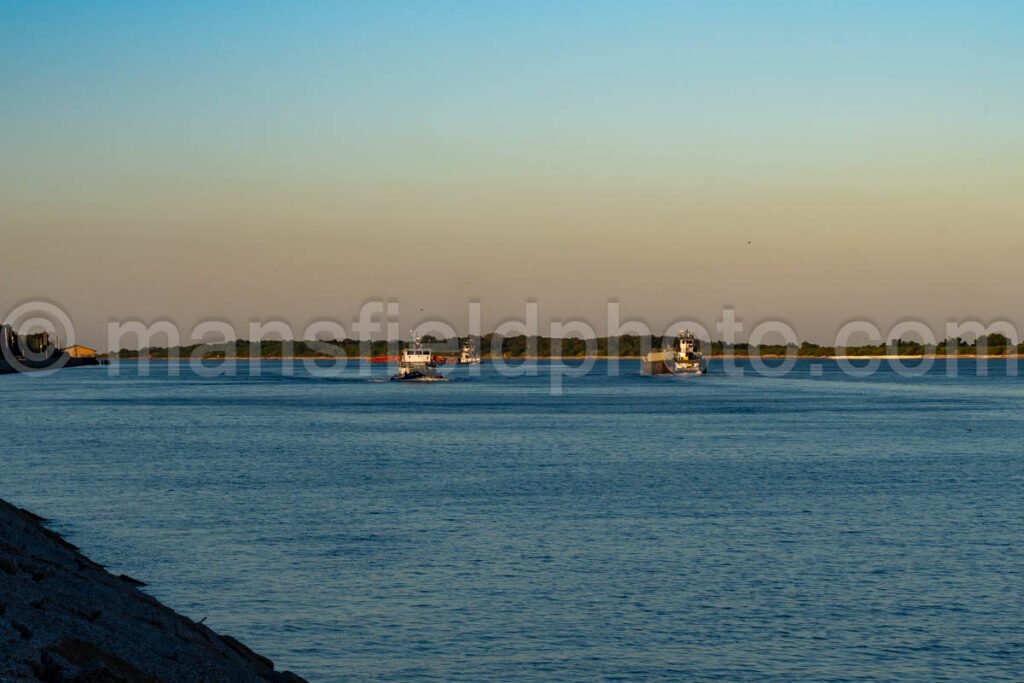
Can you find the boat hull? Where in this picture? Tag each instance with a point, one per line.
(667, 366)
(417, 374)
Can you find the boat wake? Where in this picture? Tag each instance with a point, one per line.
(421, 380)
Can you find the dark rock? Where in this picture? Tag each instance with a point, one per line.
(129, 580)
(31, 516)
(24, 631)
(81, 662)
(246, 652)
(50, 596)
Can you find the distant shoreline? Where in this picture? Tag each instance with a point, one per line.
(518, 358)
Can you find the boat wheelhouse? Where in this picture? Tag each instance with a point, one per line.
(416, 363)
(681, 359)
(468, 355)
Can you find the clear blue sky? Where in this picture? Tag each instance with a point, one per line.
(278, 152)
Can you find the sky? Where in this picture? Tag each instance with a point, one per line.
(809, 162)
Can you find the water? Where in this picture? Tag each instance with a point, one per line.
(815, 528)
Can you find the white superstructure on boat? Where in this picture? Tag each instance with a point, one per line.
(682, 359)
(468, 356)
(416, 364)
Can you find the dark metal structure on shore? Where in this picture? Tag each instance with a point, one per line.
(35, 352)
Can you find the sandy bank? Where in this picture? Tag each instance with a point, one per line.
(63, 618)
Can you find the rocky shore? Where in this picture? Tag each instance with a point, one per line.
(64, 618)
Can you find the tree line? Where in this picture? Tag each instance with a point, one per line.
(492, 345)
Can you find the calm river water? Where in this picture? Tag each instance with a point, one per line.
(808, 527)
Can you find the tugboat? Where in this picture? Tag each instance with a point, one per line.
(469, 356)
(417, 364)
(681, 359)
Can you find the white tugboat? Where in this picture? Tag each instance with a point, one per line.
(682, 359)
(469, 356)
(417, 364)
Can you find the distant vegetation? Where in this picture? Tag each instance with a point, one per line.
(520, 347)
